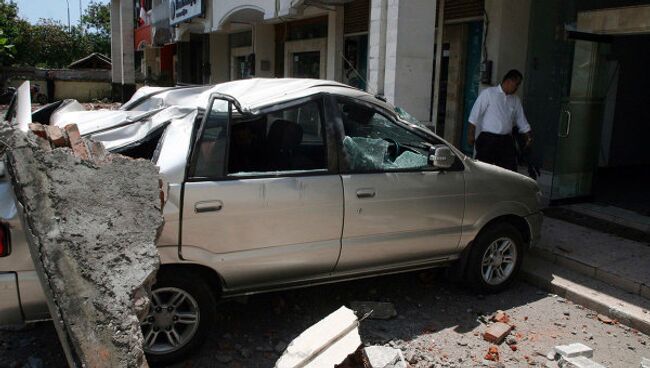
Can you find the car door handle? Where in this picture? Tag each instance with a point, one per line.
(208, 206)
(365, 193)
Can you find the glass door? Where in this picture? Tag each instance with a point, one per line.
(580, 125)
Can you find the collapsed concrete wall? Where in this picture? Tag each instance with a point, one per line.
(92, 219)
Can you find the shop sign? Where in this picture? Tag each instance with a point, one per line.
(183, 10)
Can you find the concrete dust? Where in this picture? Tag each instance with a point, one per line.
(92, 227)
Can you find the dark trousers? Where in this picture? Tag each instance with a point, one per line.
(497, 149)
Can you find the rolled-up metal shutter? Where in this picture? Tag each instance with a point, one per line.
(459, 9)
(356, 16)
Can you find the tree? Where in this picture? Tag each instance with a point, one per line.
(10, 28)
(97, 19)
(49, 43)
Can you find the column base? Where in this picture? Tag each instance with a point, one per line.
(122, 92)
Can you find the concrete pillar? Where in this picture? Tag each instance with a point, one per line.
(264, 48)
(410, 29)
(122, 49)
(219, 54)
(507, 42)
(116, 42)
(377, 46)
(335, 44)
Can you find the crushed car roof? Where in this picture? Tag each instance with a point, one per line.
(251, 94)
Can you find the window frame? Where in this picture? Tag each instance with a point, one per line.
(393, 118)
(331, 167)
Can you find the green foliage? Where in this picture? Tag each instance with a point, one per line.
(49, 43)
(97, 18)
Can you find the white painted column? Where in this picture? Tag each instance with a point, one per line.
(507, 42)
(408, 77)
(122, 49)
(219, 54)
(335, 44)
(264, 48)
(116, 42)
(127, 47)
(377, 46)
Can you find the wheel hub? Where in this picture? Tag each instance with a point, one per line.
(163, 318)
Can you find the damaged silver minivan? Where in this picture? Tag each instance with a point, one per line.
(279, 183)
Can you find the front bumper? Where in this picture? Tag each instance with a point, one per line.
(535, 224)
(10, 313)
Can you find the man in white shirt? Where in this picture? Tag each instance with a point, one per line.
(495, 113)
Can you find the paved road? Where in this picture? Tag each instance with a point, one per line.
(437, 325)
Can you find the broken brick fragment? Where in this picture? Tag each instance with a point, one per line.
(497, 332)
(38, 130)
(56, 136)
(97, 152)
(492, 354)
(76, 143)
(604, 319)
(501, 316)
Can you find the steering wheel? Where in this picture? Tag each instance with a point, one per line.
(393, 149)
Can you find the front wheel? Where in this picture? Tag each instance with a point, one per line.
(495, 258)
(180, 315)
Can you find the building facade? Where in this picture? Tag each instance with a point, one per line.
(431, 58)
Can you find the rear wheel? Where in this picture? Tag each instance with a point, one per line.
(182, 311)
(495, 258)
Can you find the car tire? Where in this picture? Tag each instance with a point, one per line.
(495, 258)
(182, 312)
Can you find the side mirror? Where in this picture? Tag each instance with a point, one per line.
(441, 157)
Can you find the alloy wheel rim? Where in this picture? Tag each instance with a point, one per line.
(172, 321)
(499, 261)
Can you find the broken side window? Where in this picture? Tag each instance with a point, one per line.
(373, 142)
(290, 140)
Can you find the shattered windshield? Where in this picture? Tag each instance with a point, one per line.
(373, 142)
(409, 118)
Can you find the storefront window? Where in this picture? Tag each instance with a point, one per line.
(306, 64)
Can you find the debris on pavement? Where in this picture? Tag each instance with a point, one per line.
(384, 357)
(645, 363)
(574, 355)
(578, 362)
(604, 319)
(574, 350)
(501, 316)
(497, 332)
(325, 344)
(380, 310)
(91, 219)
(492, 354)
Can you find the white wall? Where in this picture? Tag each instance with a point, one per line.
(264, 45)
(335, 44)
(409, 59)
(507, 42)
(226, 8)
(219, 53)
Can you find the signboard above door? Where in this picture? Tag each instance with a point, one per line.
(183, 10)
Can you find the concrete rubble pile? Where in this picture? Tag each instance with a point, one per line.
(92, 219)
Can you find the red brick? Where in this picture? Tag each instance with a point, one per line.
(501, 316)
(56, 136)
(97, 152)
(76, 143)
(39, 130)
(497, 332)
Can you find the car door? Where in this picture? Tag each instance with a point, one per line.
(262, 203)
(399, 211)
